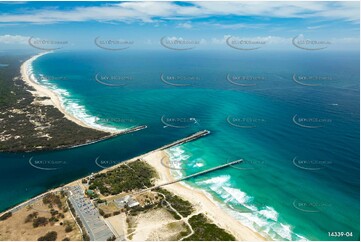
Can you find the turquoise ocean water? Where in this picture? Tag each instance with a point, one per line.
(293, 117)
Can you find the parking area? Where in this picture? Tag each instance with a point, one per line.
(89, 215)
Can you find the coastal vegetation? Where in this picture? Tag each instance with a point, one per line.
(204, 230)
(125, 178)
(138, 175)
(5, 216)
(137, 210)
(27, 124)
(52, 199)
(40, 221)
(182, 206)
(50, 236)
(31, 216)
(35, 221)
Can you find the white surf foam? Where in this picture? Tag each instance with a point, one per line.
(71, 105)
(259, 218)
(269, 213)
(180, 161)
(262, 219)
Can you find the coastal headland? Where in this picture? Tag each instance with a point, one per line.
(33, 117)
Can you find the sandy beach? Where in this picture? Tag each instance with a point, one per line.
(41, 91)
(201, 201)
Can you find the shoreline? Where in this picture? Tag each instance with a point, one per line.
(199, 199)
(42, 91)
(104, 170)
(195, 196)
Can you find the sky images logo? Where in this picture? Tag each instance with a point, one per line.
(179, 80)
(311, 122)
(178, 122)
(245, 122)
(306, 44)
(46, 165)
(113, 44)
(244, 44)
(247, 164)
(312, 165)
(113, 80)
(310, 207)
(104, 164)
(175, 165)
(305, 80)
(48, 45)
(244, 81)
(174, 43)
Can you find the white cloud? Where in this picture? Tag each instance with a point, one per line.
(267, 39)
(346, 41)
(148, 11)
(14, 2)
(14, 39)
(235, 26)
(218, 41)
(330, 10)
(186, 25)
(315, 27)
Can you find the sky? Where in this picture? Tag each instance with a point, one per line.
(139, 25)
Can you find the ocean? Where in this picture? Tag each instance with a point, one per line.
(291, 116)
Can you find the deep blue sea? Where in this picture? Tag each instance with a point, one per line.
(292, 116)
